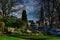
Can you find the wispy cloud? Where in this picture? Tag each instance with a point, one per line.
(32, 7)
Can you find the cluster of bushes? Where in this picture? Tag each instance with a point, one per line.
(12, 22)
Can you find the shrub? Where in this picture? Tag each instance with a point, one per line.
(19, 23)
(2, 25)
(13, 22)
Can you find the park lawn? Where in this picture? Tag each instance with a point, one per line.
(4, 37)
(36, 36)
(44, 37)
(41, 37)
(53, 39)
(9, 38)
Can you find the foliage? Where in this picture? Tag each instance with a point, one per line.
(41, 15)
(1, 18)
(12, 22)
(24, 16)
(6, 5)
(18, 23)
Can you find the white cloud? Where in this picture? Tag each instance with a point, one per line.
(18, 7)
(18, 10)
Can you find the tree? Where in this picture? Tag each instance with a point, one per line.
(24, 19)
(41, 16)
(56, 5)
(24, 16)
(10, 6)
(6, 5)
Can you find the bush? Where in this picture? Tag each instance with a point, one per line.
(1, 18)
(12, 22)
(19, 23)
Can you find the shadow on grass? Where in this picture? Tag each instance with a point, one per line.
(36, 39)
(27, 37)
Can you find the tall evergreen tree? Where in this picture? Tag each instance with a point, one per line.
(24, 19)
(24, 16)
(41, 16)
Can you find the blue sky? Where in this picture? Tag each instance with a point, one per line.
(32, 8)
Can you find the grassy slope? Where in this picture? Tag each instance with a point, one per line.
(9, 38)
(28, 36)
(38, 37)
(47, 37)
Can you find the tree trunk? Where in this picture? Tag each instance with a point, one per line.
(4, 13)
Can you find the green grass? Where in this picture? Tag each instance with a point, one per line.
(33, 36)
(9, 38)
(20, 37)
(53, 39)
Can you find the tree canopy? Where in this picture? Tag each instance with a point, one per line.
(6, 6)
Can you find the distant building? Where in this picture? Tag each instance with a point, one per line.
(33, 22)
(30, 21)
